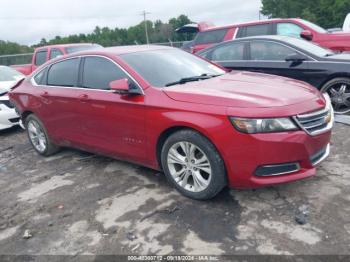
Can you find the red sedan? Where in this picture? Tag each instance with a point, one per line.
(169, 110)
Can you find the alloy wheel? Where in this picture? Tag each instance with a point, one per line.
(340, 97)
(37, 136)
(189, 166)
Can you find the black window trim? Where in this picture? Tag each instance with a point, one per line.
(309, 58)
(32, 80)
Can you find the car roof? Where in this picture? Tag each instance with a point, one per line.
(251, 23)
(65, 45)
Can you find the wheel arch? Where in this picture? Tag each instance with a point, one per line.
(333, 76)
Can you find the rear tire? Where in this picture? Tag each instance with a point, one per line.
(338, 90)
(193, 165)
(39, 137)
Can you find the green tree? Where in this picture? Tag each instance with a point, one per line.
(326, 13)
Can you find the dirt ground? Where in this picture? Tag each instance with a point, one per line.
(76, 203)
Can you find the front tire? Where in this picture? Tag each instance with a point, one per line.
(338, 90)
(193, 165)
(38, 136)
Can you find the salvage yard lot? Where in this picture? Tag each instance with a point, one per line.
(78, 203)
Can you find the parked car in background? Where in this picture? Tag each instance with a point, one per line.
(167, 109)
(8, 78)
(290, 57)
(46, 53)
(338, 41)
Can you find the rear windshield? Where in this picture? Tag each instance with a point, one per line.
(74, 49)
(161, 67)
(209, 37)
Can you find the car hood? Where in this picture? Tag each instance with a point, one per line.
(244, 89)
(5, 86)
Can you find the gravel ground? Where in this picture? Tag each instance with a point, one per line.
(75, 203)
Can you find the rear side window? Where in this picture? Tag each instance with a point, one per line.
(209, 37)
(232, 51)
(255, 30)
(55, 53)
(99, 72)
(64, 73)
(40, 57)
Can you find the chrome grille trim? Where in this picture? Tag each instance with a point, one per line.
(315, 123)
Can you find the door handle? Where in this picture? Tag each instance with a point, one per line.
(44, 94)
(84, 98)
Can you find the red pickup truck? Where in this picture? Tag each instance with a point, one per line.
(208, 36)
(46, 53)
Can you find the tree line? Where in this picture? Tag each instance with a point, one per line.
(326, 13)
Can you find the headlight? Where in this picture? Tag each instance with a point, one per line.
(264, 125)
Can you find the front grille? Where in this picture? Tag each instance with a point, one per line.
(7, 103)
(317, 122)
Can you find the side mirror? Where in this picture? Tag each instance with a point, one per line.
(307, 35)
(120, 86)
(123, 87)
(295, 58)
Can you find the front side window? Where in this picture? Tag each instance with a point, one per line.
(269, 51)
(55, 53)
(161, 67)
(210, 37)
(99, 72)
(40, 57)
(289, 29)
(232, 51)
(64, 73)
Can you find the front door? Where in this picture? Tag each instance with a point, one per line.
(111, 123)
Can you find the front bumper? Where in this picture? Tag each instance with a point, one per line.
(8, 115)
(297, 150)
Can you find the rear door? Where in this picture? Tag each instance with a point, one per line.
(270, 57)
(111, 123)
(57, 90)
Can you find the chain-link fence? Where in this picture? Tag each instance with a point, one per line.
(17, 59)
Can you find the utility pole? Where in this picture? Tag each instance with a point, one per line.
(144, 13)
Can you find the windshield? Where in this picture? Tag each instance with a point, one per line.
(310, 47)
(9, 74)
(74, 49)
(313, 26)
(161, 67)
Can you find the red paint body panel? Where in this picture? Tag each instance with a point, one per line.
(129, 127)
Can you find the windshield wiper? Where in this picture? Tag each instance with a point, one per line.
(191, 79)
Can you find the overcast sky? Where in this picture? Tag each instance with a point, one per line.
(27, 21)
